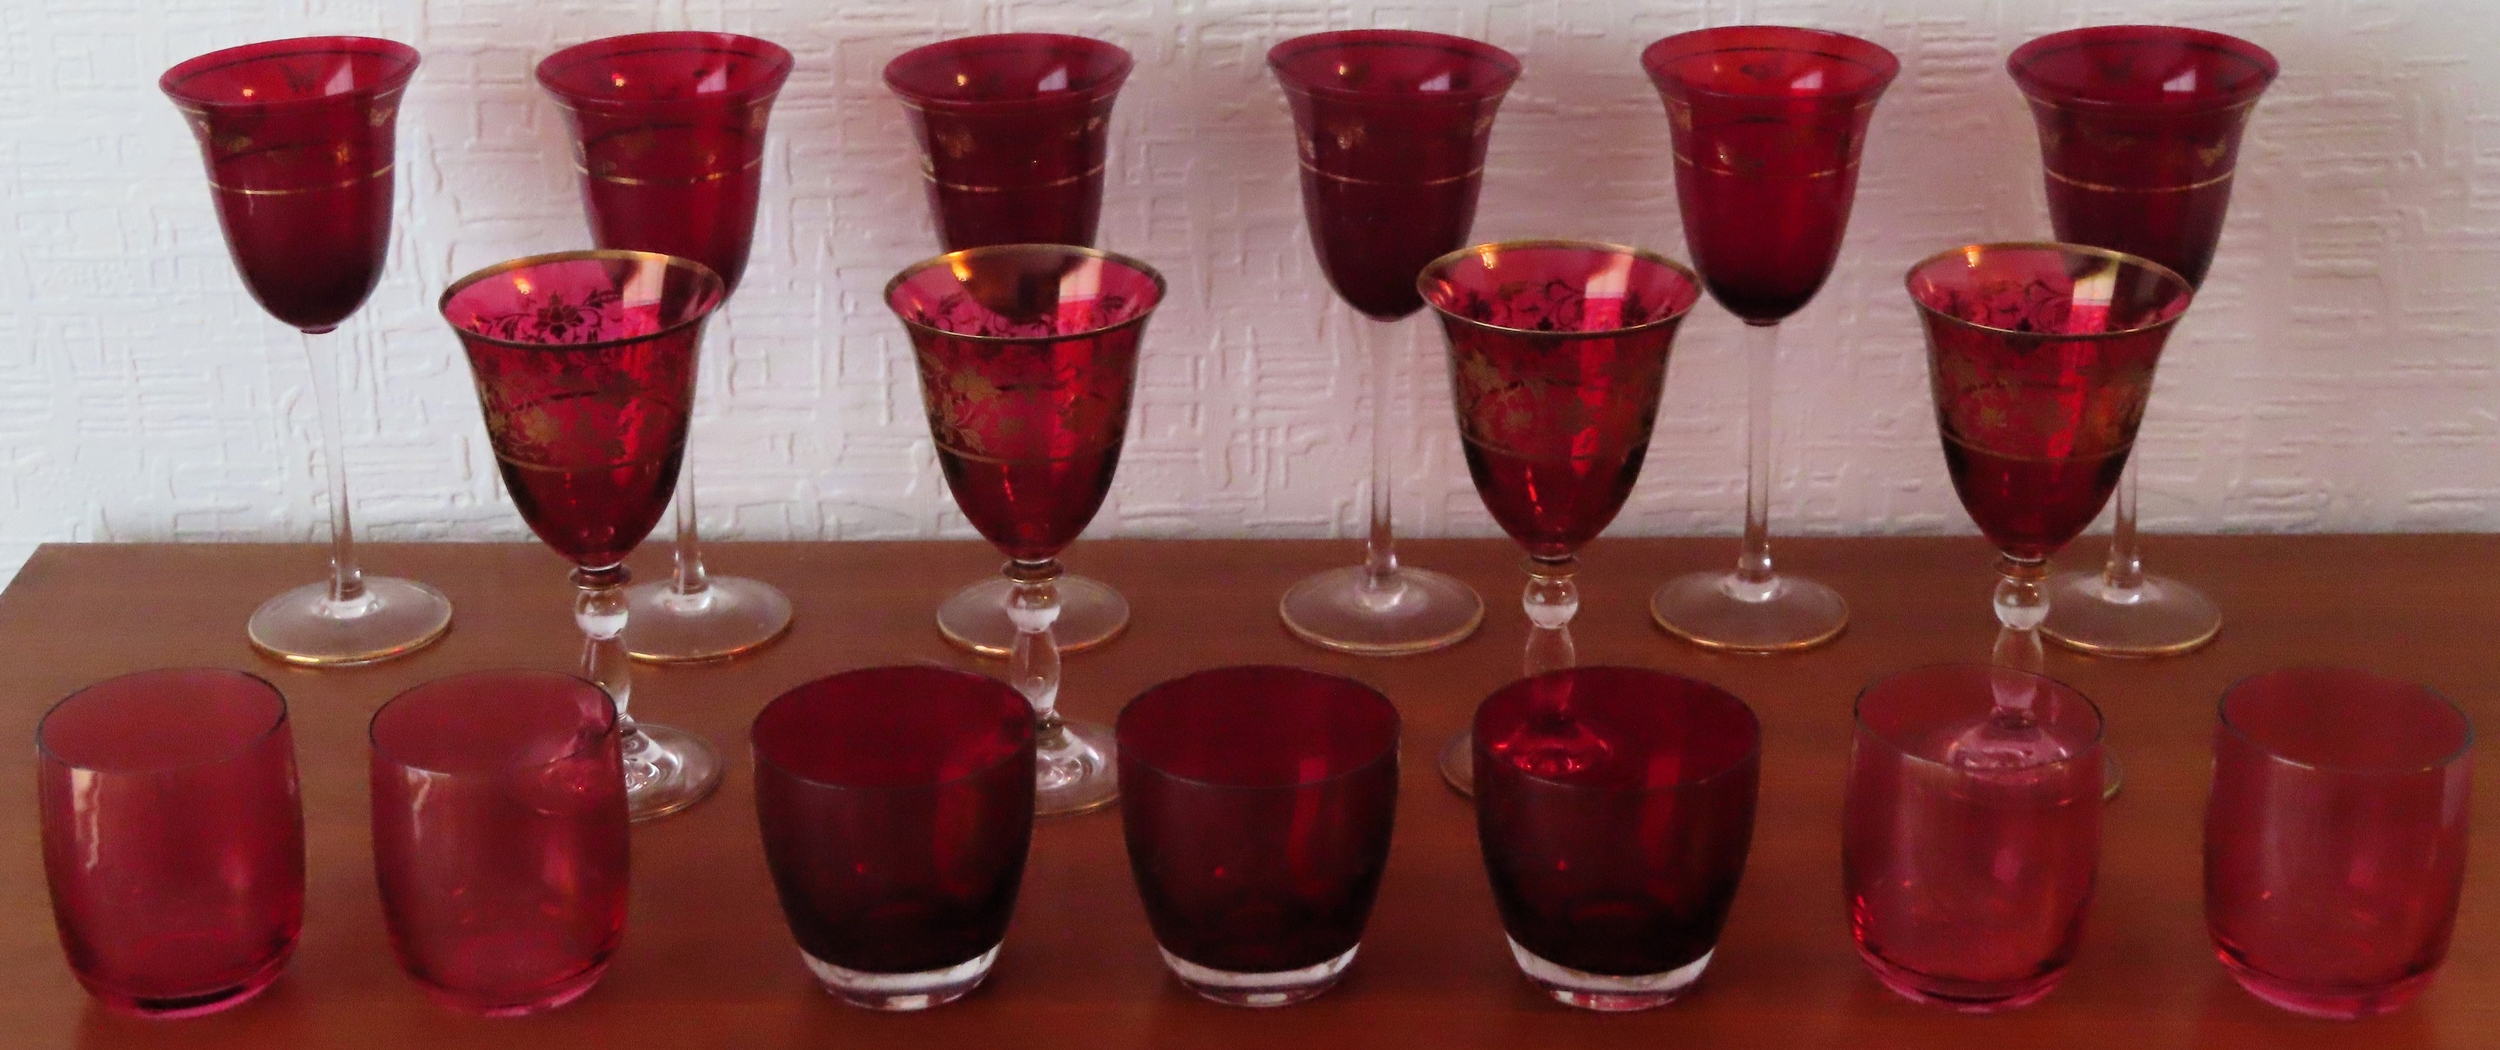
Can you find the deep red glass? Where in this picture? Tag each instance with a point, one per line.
(2335, 838)
(2140, 133)
(1558, 355)
(500, 837)
(173, 838)
(1968, 884)
(1391, 126)
(299, 137)
(1614, 879)
(1028, 360)
(1014, 132)
(1257, 804)
(897, 807)
(585, 367)
(1768, 123)
(668, 133)
(2041, 357)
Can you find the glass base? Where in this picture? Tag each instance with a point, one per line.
(396, 617)
(1078, 770)
(902, 992)
(1705, 608)
(1421, 611)
(668, 771)
(2112, 775)
(1608, 993)
(1970, 997)
(172, 1008)
(1458, 764)
(2161, 618)
(547, 998)
(1090, 613)
(731, 616)
(2332, 1002)
(1279, 988)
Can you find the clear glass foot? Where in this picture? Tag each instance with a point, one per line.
(2161, 618)
(1458, 763)
(1090, 613)
(731, 616)
(667, 770)
(1713, 610)
(1421, 611)
(1078, 770)
(396, 617)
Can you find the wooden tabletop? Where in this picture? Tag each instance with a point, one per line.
(707, 963)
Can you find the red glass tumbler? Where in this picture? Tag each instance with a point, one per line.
(1969, 874)
(500, 837)
(1614, 878)
(897, 806)
(173, 838)
(1258, 803)
(2335, 838)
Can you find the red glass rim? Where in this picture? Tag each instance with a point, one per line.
(556, 72)
(244, 739)
(710, 286)
(885, 686)
(2024, 66)
(1971, 255)
(1493, 69)
(1447, 267)
(1878, 64)
(2315, 677)
(903, 74)
(956, 261)
(399, 63)
(1340, 687)
(1598, 676)
(2066, 693)
(582, 690)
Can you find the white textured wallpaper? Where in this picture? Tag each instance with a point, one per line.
(2339, 373)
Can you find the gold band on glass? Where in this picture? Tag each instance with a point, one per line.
(360, 179)
(2101, 188)
(673, 262)
(1495, 249)
(1823, 174)
(693, 180)
(927, 173)
(1443, 181)
(952, 260)
(1970, 253)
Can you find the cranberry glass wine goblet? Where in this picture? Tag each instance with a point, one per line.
(1558, 355)
(1391, 128)
(2040, 357)
(298, 136)
(1014, 132)
(585, 367)
(1768, 123)
(2139, 136)
(1028, 361)
(668, 134)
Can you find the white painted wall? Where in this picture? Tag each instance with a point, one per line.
(2339, 373)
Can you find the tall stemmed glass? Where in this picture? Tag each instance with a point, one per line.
(1014, 132)
(2139, 136)
(1391, 127)
(1028, 360)
(585, 368)
(668, 134)
(2040, 357)
(1558, 355)
(298, 136)
(1767, 122)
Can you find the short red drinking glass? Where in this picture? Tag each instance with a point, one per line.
(2335, 838)
(897, 806)
(1257, 806)
(500, 837)
(1014, 132)
(173, 838)
(1968, 881)
(1614, 878)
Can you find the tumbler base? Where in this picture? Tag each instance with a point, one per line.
(1607, 993)
(1970, 997)
(1279, 988)
(2333, 1002)
(902, 992)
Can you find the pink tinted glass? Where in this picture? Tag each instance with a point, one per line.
(299, 139)
(1968, 887)
(2335, 838)
(1558, 355)
(668, 133)
(1257, 804)
(897, 807)
(499, 837)
(173, 838)
(1014, 132)
(1626, 867)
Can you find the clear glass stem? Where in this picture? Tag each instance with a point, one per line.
(1754, 580)
(1551, 600)
(688, 581)
(599, 609)
(1033, 666)
(2124, 572)
(2022, 602)
(1380, 555)
(347, 583)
